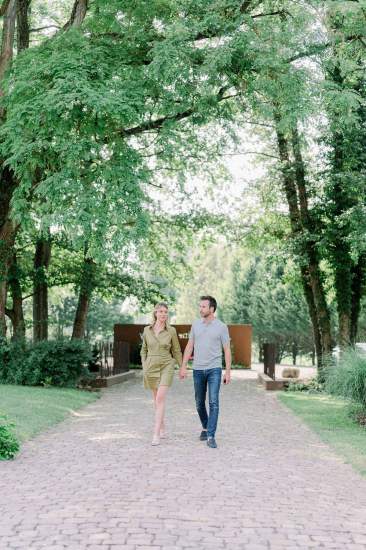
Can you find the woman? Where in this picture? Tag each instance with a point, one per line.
(160, 352)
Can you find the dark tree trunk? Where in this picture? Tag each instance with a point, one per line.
(40, 289)
(78, 14)
(310, 249)
(7, 238)
(294, 184)
(86, 289)
(261, 354)
(358, 284)
(16, 314)
(347, 161)
(22, 24)
(295, 352)
(6, 55)
(7, 183)
(340, 252)
(81, 314)
(308, 293)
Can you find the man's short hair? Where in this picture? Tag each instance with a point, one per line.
(212, 301)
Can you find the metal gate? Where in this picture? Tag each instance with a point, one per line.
(110, 358)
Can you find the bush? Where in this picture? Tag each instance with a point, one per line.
(312, 386)
(54, 363)
(347, 378)
(11, 355)
(9, 444)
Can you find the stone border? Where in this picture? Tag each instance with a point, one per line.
(272, 385)
(112, 380)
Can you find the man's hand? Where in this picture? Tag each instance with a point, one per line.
(183, 372)
(227, 377)
(227, 353)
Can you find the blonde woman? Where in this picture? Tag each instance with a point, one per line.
(160, 352)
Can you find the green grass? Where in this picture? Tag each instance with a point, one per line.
(33, 409)
(329, 418)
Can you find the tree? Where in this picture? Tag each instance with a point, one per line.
(210, 268)
(123, 99)
(268, 295)
(15, 16)
(345, 139)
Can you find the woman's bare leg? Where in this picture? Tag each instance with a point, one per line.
(160, 409)
(162, 427)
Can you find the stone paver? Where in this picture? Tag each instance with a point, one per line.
(94, 482)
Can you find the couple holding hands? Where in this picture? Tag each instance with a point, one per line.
(161, 351)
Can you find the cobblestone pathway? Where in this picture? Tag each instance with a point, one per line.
(94, 482)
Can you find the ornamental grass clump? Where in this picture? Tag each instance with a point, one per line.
(9, 445)
(347, 377)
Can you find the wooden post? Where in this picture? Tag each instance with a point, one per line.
(269, 359)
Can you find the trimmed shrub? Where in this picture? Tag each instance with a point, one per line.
(9, 445)
(11, 355)
(4, 358)
(310, 386)
(54, 363)
(347, 378)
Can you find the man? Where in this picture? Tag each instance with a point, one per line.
(208, 337)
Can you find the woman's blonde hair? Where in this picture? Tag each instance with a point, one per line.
(160, 304)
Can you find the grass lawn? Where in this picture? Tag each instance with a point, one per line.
(329, 418)
(33, 409)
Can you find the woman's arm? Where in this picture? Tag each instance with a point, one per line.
(176, 351)
(143, 351)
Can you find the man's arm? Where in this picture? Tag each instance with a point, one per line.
(187, 354)
(227, 354)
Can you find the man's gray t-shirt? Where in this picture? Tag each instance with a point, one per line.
(208, 340)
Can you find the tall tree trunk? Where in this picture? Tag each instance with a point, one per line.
(347, 162)
(315, 275)
(293, 175)
(7, 238)
(16, 314)
(40, 289)
(358, 284)
(340, 252)
(294, 351)
(309, 297)
(260, 353)
(7, 184)
(87, 286)
(7, 45)
(22, 24)
(78, 14)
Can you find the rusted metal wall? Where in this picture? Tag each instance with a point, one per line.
(241, 340)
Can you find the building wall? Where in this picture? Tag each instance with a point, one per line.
(241, 339)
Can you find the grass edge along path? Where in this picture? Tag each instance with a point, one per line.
(34, 409)
(329, 417)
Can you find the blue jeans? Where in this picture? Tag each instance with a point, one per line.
(212, 379)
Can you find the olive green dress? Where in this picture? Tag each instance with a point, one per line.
(159, 355)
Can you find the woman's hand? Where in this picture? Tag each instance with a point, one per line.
(183, 372)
